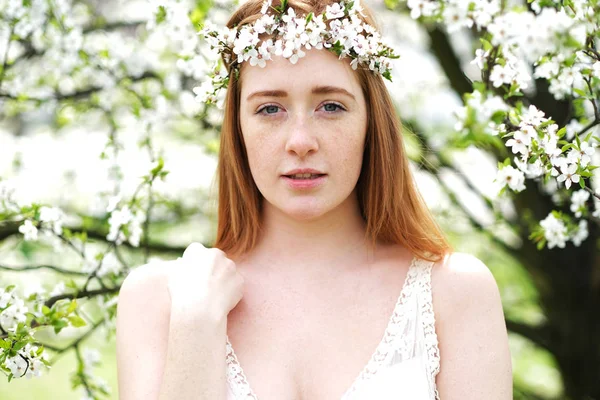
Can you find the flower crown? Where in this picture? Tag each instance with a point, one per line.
(346, 36)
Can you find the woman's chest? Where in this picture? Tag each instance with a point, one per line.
(311, 349)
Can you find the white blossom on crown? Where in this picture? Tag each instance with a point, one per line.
(339, 29)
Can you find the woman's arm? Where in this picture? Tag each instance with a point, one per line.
(475, 358)
(163, 354)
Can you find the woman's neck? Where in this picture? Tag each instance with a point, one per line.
(335, 241)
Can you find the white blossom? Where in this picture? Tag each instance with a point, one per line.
(54, 216)
(110, 265)
(596, 69)
(29, 230)
(533, 116)
(5, 298)
(519, 143)
(501, 75)
(512, 177)
(10, 317)
(265, 6)
(555, 231)
(117, 219)
(420, 8)
(583, 155)
(581, 233)
(17, 365)
(569, 175)
(480, 57)
(578, 200)
(334, 11)
(58, 289)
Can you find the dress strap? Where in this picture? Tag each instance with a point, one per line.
(423, 282)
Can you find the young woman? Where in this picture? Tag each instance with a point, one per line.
(329, 276)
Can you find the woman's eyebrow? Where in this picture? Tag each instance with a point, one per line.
(316, 90)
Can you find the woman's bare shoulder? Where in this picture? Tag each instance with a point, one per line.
(148, 277)
(473, 341)
(462, 277)
(143, 314)
(143, 296)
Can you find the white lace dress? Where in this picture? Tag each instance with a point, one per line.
(404, 364)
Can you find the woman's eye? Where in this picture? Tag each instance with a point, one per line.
(334, 108)
(270, 109)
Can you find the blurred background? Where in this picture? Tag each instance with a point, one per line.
(98, 119)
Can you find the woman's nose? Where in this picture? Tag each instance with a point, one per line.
(302, 138)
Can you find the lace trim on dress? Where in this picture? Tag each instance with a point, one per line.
(236, 376)
(428, 317)
(390, 335)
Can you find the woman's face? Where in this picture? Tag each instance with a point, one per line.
(309, 115)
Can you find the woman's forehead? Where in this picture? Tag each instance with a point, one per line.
(318, 68)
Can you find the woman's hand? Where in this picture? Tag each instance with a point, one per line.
(172, 324)
(204, 280)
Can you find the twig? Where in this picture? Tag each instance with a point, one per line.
(43, 266)
(81, 294)
(80, 95)
(81, 374)
(5, 58)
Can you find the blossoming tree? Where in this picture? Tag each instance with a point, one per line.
(526, 74)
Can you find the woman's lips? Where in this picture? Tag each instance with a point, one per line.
(304, 183)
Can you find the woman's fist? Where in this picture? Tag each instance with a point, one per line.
(204, 279)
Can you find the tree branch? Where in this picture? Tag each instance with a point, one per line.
(76, 342)
(81, 294)
(449, 61)
(43, 266)
(12, 228)
(82, 94)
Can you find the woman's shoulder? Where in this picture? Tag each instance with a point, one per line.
(145, 289)
(150, 278)
(461, 283)
(465, 293)
(153, 273)
(468, 319)
(462, 276)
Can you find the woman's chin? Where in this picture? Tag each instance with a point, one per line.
(304, 212)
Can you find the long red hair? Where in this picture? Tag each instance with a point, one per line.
(389, 200)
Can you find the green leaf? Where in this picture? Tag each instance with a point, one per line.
(59, 324)
(71, 284)
(486, 44)
(72, 306)
(541, 244)
(19, 345)
(159, 166)
(45, 310)
(161, 15)
(77, 321)
(566, 147)
(479, 86)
